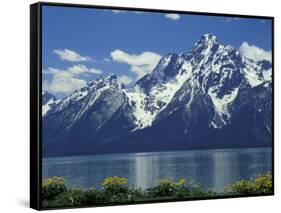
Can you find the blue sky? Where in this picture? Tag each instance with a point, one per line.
(81, 44)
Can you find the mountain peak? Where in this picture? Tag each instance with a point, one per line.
(209, 36)
(207, 41)
(48, 101)
(111, 79)
(46, 96)
(165, 60)
(211, 89)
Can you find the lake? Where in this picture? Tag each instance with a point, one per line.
(212, 168)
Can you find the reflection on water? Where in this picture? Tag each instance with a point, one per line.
(212, 168)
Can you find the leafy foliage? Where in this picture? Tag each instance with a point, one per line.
(73, 197)
(262, 184)
(167, 187)
(116, 190)
(52, 187)
(115, 185)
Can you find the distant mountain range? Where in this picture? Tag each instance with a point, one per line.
(211, 97)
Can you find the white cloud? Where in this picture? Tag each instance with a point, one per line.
(106, 60)
(125, 79)
(255, 53)
(126, 11)
(70, 55)
(62, 84)
(232, 19)
(118, 11)
(80, 68)
(95, 71)
(76, 69)
(68, 80)
(139, 12)
(50, 70)
(141, 64)
(142, 70)
(173, 16)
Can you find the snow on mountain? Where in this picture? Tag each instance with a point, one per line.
(48, 102)
(221, 104)
(217, 69)
(266, 67)
(211, 63)
(204, 88)
(93, 89)
(81, 101)
(148, 100)
(267, 75)
(253, 72)
(137, 100)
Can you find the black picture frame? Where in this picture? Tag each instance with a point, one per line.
(36, 99)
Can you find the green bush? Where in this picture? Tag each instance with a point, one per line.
(115, 185)
(167, 188)
(52, 187)
(242, 187)
(73, 197)
(116, 190)
(137, 194)
(262, 184)
(196, 190)
(76, 197)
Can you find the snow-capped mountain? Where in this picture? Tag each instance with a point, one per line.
(48, 102)
(210, 97)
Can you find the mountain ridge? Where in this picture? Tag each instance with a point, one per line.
(193, 97)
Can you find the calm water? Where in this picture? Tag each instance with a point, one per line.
(212, 168)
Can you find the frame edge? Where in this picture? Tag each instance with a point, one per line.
(35, 99)
(35, 195)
